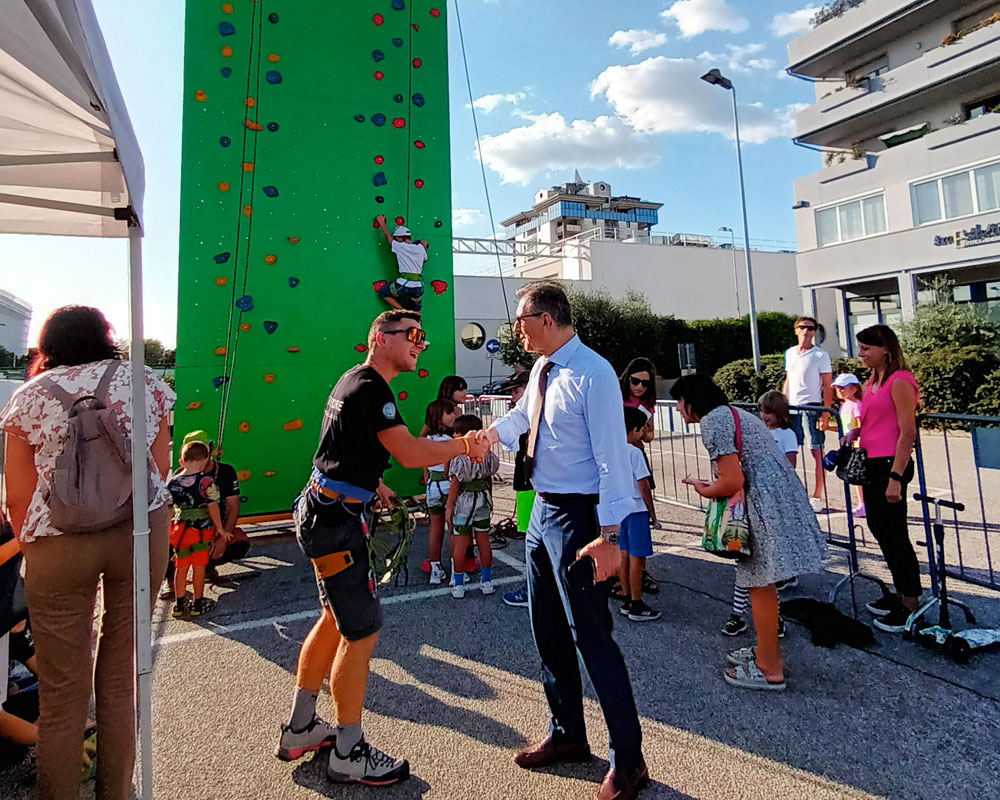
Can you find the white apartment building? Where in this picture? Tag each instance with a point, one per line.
(906, 121)
(15, 316)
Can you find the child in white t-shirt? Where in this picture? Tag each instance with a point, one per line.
(634, 536)
(407, 289)
(849, 391)
(773, 407)
(439, 418)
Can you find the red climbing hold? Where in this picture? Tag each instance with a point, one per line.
(379, 160)
(399, 122)
(439, 287)
(419, 145)
(403, 395)
(375, 224)
(400, 221)
(417, 63)
(378, 286)
(415, 26)
(435, 13)
(422, 373)
(360, 348)
(379, 75)
(418, 183)
(378, 19)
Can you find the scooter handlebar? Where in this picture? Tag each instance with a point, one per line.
(923, 498)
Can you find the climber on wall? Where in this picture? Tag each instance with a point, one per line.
(408, 288)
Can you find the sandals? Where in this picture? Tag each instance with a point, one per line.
(747, 675)
(649, 586)
(740, 656)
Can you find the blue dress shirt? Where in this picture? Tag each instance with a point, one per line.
(581, 447)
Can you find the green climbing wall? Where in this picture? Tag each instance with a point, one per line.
(303, 119)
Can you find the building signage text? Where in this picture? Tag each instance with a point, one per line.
(971, 237)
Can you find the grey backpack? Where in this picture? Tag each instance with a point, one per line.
(91, 486)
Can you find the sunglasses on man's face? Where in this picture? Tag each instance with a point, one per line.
(638, 381)
(415, 335)
(807, 327)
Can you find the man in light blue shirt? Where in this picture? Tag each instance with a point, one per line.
(578, 463)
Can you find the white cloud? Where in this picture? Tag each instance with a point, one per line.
(466, 217)
(792, 23)
(741, 58)
(665, 95)
(549, 144)
(637, 40)
(694, 17)
(489, 103)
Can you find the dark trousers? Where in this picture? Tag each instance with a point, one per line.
(565, 620)
(887, 522)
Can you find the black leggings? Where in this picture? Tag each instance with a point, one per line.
(887, 522)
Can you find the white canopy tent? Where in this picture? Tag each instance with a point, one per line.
(70, 165)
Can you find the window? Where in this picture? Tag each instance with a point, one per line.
(473, 336)
(959, 195)
(849, 221)
(977, 109)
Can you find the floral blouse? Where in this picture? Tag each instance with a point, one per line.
(35, 415)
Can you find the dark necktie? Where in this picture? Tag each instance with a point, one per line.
(536, 420)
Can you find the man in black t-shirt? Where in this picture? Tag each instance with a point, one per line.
(361, 429)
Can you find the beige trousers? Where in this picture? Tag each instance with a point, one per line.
(62, 574)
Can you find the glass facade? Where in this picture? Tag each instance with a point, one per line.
(575, 210)
(961, 194)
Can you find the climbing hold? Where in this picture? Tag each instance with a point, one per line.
(226, 29)
(219, 380)
(398, 5)
(439, 287)
(272, 18)
(294, 425)
(244, 326)
(243, 427)
(379, 179)
(379, 75)
(397, 42)
(403, 395)
(360, 348)
(419, 144)
(271, 191)
(293, 282)
(378, 120)
(435, 13)
(415, 26)
(199, 96)
(247, 166)
(223, 186)
(273, 76)
(375, 224)
(243, 475)
(294, 239)
(438, 223)
(221, 281)
(359, 117)
(249, 102)
(274, 58)
(417, 63)
(227, 52)
(269, 377)
(418, 183)
(399, 122)
(225, 141)
(379, 198)
(227, 8)
(293, 349)
(221, 258)
(270, 258)
(272, 126)
(397, 98)
(254, 126)
(244, 498)
(418, 100)
(226, 72)
(269, 473)
(378, 55)
(270, 326)
(247, 210)
(220, 351)
(422, 373)
(194, 406)
(378, 286)
(400, 221)
(378, 19)
(245, 303)
(379, 159)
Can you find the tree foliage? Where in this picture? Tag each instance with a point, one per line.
(946, 324)
(156, 355)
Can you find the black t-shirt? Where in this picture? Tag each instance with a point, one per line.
(521, 482)
(225, 478)
(360, 405)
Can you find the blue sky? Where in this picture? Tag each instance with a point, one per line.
(610, 89)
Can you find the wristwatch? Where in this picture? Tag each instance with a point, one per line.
(896, 476)
(610, 538)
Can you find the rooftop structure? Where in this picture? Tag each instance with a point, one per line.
(15, 317)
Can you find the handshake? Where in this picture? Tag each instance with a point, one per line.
(478, 443)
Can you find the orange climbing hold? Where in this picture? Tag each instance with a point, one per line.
(220, 351)
(269, 377)
(223, 186)
(244, 326)
(227, 52)
(243, 474)
(194, 406)
(294, 425)
(270, 258)
(247, 211)
(269, 473)
(293, 349)
(227, 8)
(274, 58)
(254, 126)
(249, 102)
(199, 96)
(244, 427)
(294, 239)
(221, 281)
(248, 166)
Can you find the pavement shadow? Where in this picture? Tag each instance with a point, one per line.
(311, 775)
(593, 771)
(449, 677)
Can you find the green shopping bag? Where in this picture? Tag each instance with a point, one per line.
(727, 523)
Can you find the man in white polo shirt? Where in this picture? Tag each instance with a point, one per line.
(809, 382)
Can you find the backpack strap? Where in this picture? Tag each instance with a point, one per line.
(101, 392)
(68, 401)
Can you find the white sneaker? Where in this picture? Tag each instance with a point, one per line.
(817, 503)
(318, 735)
(487, 587)
(366, 765)
(437, 575)
(458, 592)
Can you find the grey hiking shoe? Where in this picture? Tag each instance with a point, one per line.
(318, 735)
(366, 765)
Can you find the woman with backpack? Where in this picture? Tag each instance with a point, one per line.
(68, 427)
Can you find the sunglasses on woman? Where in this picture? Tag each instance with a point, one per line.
(415, 335)
(638, 381)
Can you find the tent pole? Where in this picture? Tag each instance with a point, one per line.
(140, 518)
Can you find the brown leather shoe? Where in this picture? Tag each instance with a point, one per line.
(624, 786)
(545, 752)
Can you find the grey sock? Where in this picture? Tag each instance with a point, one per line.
(303, 709)
(347, 737)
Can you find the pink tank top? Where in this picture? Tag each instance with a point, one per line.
(879, 426)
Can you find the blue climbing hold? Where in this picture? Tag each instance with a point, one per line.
(272, 126)
(245, 303)
(438, 224)
(226, 28)
(293, 282)
(273, 76)
(397, 42)
(398, 5)
(379, 179)
(359, 117)
(271, 191)
(272, 17)
(418, 100)
(270, 327)
(379, 199)
(222, 258)
(226, 71)
(378, 120)
(218, 381)
(378, 55)
(398, 98)
(225, 141)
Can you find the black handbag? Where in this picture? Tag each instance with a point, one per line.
(852, 465)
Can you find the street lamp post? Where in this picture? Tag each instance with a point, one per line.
(716, 78)
(736, 275)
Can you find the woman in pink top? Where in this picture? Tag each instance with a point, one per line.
(887, 433)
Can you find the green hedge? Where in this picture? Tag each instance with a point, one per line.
(948, 378)
(988, 396)
(742, 385)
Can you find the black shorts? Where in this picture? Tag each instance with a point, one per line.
(324, 530)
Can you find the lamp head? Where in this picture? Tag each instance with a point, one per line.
(716, 78)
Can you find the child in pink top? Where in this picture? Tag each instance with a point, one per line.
(849, 393)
